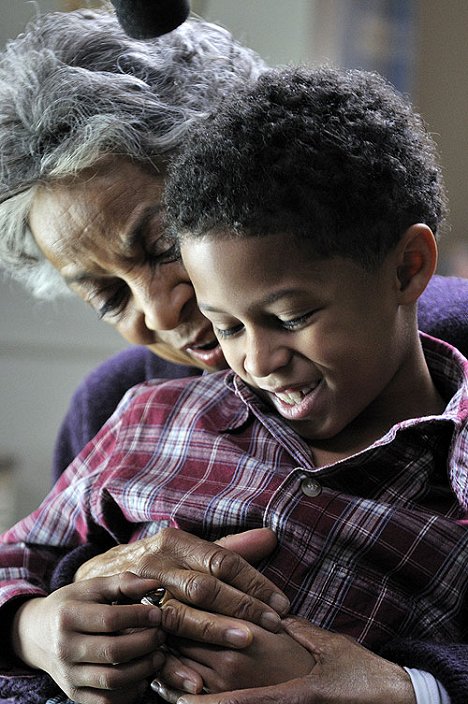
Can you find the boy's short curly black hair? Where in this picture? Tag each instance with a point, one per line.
(336, 157)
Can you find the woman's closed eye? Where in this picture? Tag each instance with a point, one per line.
(110, 302)
(162, 249)
(167, 256)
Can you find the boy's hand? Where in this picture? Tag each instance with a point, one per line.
(343, 673)
(98, 651)
(270, 659)
(212, 576)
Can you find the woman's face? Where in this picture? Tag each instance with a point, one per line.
(104, 233)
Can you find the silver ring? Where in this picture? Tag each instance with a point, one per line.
(155, 597)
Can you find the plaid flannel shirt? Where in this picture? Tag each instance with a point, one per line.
(374, 546)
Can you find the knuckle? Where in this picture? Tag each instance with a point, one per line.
(73, 693)
(62, 616)
(245, 608)
(106, 680)
(108, 620)
(108, 653)
(61, 650)
(172, 617)
(223, 564)
(165, 538)
(201, 589)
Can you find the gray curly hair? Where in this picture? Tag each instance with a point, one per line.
(75, 88)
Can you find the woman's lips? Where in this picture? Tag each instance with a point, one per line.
(210, 354)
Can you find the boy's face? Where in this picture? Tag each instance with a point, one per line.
(324, 341)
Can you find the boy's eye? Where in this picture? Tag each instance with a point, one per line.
(295, 323)
(224, 333)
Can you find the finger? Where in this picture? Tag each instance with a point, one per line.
(197, 555)
(119, 676)
(206, 592)
(110, 650)
(86, 695)
(309, 636)
(186, 622)
(253, 545)
(122, 587)
(127, 695)
(179, 676)
(292, 692)
(104, 618)
(165, 691)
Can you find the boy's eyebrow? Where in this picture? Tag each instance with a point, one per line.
(268, 300)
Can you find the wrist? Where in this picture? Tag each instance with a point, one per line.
(401, 690)
(22, 632)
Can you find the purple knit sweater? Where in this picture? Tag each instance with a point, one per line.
(443, 312)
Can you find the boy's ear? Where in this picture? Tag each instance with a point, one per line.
(416, 262)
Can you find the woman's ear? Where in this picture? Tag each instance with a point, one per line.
(416, 262)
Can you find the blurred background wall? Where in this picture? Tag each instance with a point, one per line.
(46, 349)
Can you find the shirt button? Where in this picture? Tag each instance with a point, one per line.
(311, 487)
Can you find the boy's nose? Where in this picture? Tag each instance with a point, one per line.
(264, 355)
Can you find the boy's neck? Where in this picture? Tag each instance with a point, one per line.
(416, 397)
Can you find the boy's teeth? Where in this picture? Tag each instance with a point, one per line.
(294, 396)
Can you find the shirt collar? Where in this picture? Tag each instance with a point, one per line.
(447, 365)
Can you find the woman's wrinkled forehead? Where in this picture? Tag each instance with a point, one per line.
(99, 208)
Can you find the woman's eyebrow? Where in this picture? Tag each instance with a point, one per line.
(136, 230)
(130, 239)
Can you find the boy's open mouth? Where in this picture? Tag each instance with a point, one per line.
(294, 396)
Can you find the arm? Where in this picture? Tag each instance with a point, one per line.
(342, 673)
(99, 394)
(89, 644)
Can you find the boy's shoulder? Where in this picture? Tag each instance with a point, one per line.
(187, 398)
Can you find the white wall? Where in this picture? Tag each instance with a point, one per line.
(441, 93)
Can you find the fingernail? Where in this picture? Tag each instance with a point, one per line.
(238, 636)
(280, 604)
(270, 621)
(189, 686)
(154, 617)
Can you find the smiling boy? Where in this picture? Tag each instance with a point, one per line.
(307, 209)
(308, 213)
(331, 346)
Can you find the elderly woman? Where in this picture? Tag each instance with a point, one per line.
(88, 121)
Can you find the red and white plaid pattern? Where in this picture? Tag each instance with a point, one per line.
(381, 551)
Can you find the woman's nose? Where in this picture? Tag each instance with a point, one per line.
(265, 353)
(165, 298)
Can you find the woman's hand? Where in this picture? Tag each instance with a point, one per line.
(215, 577)
(96, 648)
(343, 673)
